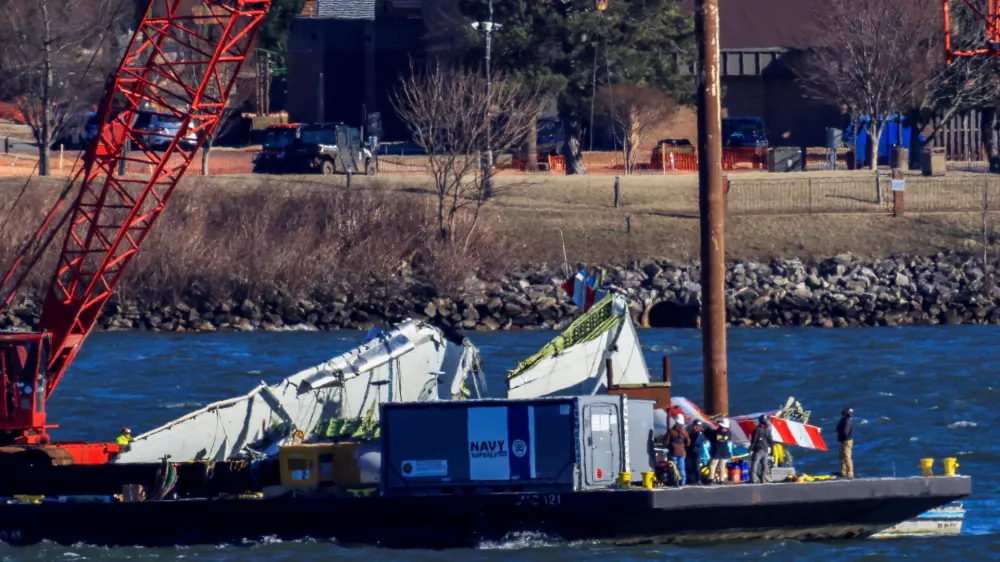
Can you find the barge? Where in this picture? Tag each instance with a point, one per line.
(569, 468)
(818, 510)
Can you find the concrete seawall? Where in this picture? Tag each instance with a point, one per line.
(840, 291)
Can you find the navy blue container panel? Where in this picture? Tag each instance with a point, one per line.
(479, 443)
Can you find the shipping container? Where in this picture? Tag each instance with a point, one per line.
(544, 445)
(314, 464)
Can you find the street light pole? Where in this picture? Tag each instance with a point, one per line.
(488, 27)
(488, 187)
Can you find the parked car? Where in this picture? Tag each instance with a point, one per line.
(744, 132)
(328, 148)
(271, 157)
(421, 138)
(162, 131)
(679, 143)
(77, 131)
(551, 135)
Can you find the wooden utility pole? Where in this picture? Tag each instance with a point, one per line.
(712, 209)
(267, 84)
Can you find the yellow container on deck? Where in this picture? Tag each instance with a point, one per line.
(28, 499)
(926, 467)
(624, 479)
(309, 465)
(648, 478)
(950, 464)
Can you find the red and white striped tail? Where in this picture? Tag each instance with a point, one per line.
(681, 405)
(783, 431)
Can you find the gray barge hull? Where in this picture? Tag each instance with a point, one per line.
(817, 510)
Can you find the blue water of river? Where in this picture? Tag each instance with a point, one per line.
(916, 392)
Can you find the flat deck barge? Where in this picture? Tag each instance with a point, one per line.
(817, 510)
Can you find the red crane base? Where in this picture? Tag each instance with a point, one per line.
(61, 454)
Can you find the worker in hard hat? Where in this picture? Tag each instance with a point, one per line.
(721, 453)
(698, 452)
(125, 439)
(678, 441)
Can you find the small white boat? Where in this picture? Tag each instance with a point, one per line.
(942, 521)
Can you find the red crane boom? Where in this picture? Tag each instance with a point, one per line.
(181, 64)
(990, 18)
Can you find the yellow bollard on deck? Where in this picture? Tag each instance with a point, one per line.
(950, 464)
(648, 478)
(926, 467)
(624, 480)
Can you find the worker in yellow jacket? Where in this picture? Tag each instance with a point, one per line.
(125, 439)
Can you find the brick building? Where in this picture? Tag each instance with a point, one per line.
(347, 53)
(359, 48)
(759, 39)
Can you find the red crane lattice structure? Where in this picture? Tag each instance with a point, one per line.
(181, 64)
(991, 19)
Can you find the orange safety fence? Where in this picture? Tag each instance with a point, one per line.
(744, 159)
(26, 164)
(674, 159)
(669, 158)
(664, 159)
(403, 165)
(604, 162)
(685, 159)
(220, 162)
(551, 164)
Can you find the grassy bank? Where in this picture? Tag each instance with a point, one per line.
(249, 235)
(539, 215)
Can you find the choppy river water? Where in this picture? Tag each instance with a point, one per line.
(930, 391)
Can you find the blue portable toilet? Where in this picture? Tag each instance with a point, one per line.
(857, 136)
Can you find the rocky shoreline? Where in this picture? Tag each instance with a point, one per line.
(842, 291)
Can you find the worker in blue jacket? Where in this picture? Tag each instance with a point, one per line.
(845, 436)
(698, 452)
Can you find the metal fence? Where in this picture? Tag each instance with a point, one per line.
(788, 194)
(860, 195)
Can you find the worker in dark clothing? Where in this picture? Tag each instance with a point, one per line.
(694, 456)
(678, 441)
(720, 439)
(760, 446)
(845, 436)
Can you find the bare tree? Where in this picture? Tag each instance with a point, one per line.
(446, 107)
(875, 56)
(55, 56)
(636, 111)
(239, 97)
(968, 82)
(242, 92)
